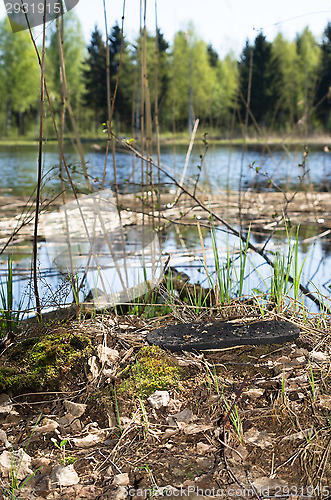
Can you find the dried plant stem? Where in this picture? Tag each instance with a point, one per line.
(40, 152)
(228, 226)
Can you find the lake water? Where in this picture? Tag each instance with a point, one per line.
(223, 168)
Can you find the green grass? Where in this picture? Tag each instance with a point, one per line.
(9, 318)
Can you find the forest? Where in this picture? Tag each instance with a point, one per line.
(278, 87)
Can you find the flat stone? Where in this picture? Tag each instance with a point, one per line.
(216, 335)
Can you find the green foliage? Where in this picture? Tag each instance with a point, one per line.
(323, 93)
(259, 72)
(41, 360)
(9, 318)
(95, 77)
(13, 491)
(73, 52)
(121, 72)
(290, 80)
(154, 52)
(153, 370)
(309, 54)
(19, 74)
(192, 79)
(286, 54)
(224, 91)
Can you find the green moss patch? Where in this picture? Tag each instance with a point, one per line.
(153, 370)
(44, 359)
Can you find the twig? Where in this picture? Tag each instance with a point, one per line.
(257, 250)
(41, 123)
(151, 290)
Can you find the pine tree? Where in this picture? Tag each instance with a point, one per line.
(95, 78)
(323, 96)
(265, 81)
(121, 70)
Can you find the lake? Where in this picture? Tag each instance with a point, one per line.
(223, 169)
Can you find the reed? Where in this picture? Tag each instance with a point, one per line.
(9, 317)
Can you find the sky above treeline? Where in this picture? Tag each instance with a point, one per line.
(226, 24)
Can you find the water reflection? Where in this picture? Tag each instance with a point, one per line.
(221, 170)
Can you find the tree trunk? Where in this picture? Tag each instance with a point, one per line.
(9, 117)
(21, 123)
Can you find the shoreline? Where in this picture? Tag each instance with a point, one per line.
(261, 211)
(314, 141)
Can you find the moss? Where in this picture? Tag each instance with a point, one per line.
(43, 359)
(153, 370)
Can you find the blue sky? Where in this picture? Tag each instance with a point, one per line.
(224, 23)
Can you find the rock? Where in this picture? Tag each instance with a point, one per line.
(107, 355)
(159, 399)
(121, 480)
(89, 440)
(324, 401)
(185, 416)
(21, 460)
(94, 367)
(203, 448)
(257, 438)
(265, 485)
(6, 405)
(298, 436)
(75, 409)
(319, 357)
(64, 475)
(71, 422)
(254, 393)
(193, 428)
(48, 425)
(3, 439)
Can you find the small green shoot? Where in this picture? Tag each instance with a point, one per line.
(62, 447)
(144, 414)
(9, 318)
(243, 260)
(234, 419)
(17, 484)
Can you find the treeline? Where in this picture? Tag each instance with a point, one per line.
(279, 86)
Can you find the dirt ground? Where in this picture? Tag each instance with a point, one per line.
(120, 419)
